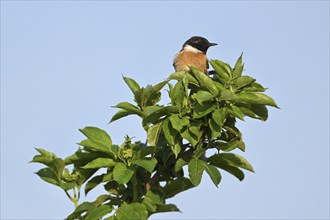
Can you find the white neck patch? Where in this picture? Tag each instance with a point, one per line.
(192, 49)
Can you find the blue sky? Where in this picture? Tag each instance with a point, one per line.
(61, 70)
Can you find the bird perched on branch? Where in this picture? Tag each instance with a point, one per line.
(193, 54)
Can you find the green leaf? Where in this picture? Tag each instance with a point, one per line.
(96, 146)
(99, 163)
(190, 136)
(132, 84)
(235, 111)
(221, 68)
(231, 145)
(203, 96)
(178, 123)
(195, 128)
(83, 207)
(45, 153)
(120, 114)
(98, 212)
(148, 163)
(154, 197)
(130, 108)
(132, 211)
(202, 110)
(254, 111)
(151, 200)
(84, 175)
(246, 111)
(146, 97)
(230, 159)
(219, 116)
(176, 186)
(97, 140)
(96, 134)
(113, 187)
(122, 173)
(160, 85)
(49, 176)
(177, 94)
(143, 152)
(150, 205)
(243, 81)
(176, 149)
(182, 74)
(261, 111)
(67, 186)
(49, 159)
(239, 66)
(102, 198)
(169, 133)
(179, 164)
(153, 133)
(81, 158)
(219, 86)
(241, 146)
(213, 173)
(232, 170)
(228, 95)
(256, 98)
(215, 129)
(92, 183)
(254, 87)
(58, 166)
(205, 81)
(151, 109)
(149, 96)
(126, 212)
(195, 169)
(141, 209)
(156, 115)
(167, 208)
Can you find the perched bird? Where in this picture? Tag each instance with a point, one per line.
(193, 54)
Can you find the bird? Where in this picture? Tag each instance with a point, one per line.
(193, 54)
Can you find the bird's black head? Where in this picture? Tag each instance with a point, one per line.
(199, 43)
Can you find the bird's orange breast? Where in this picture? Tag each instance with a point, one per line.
(186, 59)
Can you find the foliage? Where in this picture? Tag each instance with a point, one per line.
(139, 177)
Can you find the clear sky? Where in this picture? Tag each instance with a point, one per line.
(61, 70)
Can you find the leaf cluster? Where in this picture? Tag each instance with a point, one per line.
(139, 177)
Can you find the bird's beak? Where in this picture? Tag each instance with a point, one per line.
(212, 44)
